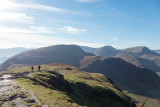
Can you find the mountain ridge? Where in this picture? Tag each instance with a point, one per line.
(140, 56)
(47, 55)
(106, 51)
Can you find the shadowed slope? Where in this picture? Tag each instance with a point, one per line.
(129, 57)
(125, 75)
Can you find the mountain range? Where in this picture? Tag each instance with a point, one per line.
(69, 54)
(7, 53)
(124, 67)
(126, 75)
(140, 56)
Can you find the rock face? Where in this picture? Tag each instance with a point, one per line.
(69, 54)
(127, 76)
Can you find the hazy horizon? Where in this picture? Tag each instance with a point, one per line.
(80, 46)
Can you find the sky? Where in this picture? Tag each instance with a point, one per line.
(93, 23)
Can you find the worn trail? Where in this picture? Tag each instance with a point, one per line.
(13, 95)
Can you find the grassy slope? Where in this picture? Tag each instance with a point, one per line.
(140, 83)
(143, 101)
(75, 88)
(127, 76)
(158, 73)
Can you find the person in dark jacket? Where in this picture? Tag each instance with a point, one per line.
(39, 68)
(32, 68)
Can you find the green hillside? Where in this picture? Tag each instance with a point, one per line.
(127, 76)
(72, 87)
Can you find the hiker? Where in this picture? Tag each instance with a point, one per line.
(32, 68)
(39, 68)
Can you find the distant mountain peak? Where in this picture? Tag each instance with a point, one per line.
(140, 50)
(109, 47)
(106, 51)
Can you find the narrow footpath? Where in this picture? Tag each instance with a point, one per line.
(12, 95)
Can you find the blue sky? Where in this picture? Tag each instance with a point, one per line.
(94, 23)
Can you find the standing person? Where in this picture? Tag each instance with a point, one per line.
(32, 68)
(39, 68)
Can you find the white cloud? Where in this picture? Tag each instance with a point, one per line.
(9, 11)
(9, 5)
(34, 37)
(43, 7)
(8, 40)
(40, 30)
(116, 12)
(139, 43)
(115, 39)
(87, 1)
(73, 30)
(31, 30)
(18, 17)
(6, 4)
(95, 45)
